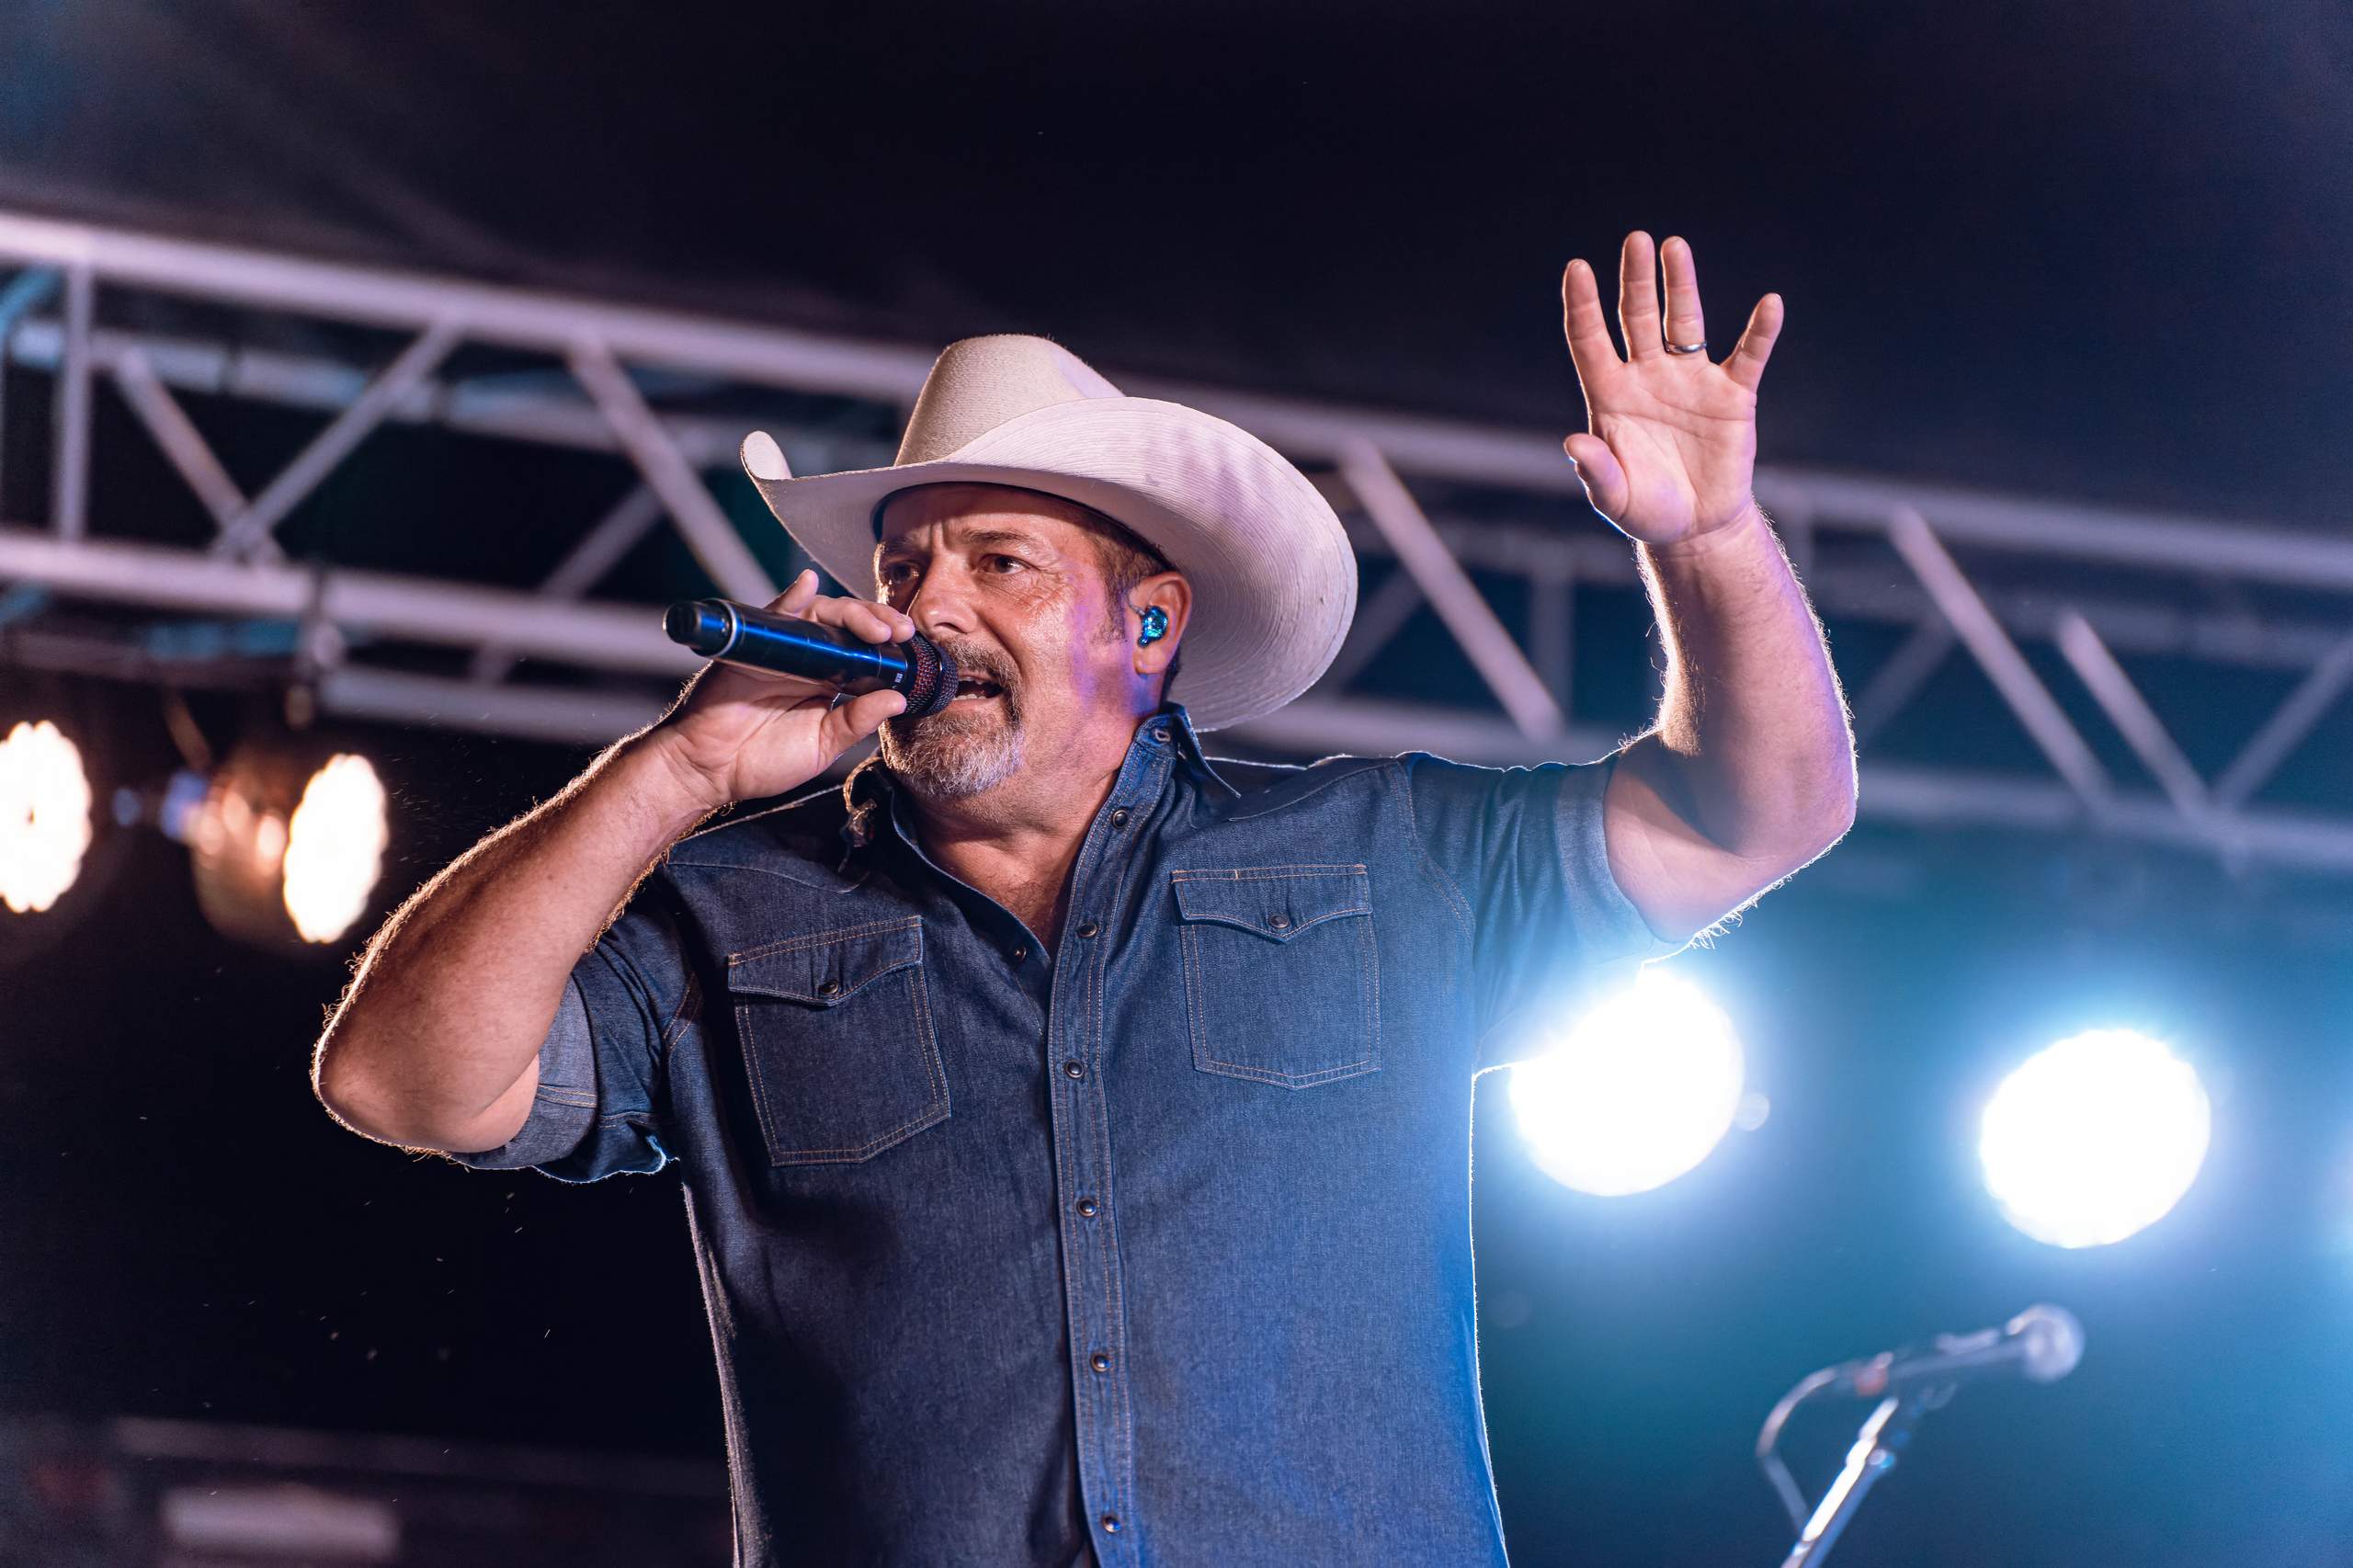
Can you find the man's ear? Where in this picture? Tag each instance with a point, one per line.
(1172, 596)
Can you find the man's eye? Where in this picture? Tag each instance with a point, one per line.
(1007, 561)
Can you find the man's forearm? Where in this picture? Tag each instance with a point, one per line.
(1752, 746)
(457, 991)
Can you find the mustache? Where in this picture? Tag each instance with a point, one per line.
(976, 661)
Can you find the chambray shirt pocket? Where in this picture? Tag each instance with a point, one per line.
(1282, 971)
(838, 1042)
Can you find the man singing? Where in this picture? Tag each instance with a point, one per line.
(1075, 1132)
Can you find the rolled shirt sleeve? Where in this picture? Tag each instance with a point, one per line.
(1523, 850)
(603, 1101)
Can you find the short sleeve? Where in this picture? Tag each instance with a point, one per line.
(1522, 847)
(602, 1102)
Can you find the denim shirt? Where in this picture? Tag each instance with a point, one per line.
(1152, 1250)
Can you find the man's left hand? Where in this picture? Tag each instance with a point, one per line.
(1672, 451)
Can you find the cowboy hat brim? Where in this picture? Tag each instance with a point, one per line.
(1273, 576)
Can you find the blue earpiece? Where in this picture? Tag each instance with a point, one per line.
(1155, 624)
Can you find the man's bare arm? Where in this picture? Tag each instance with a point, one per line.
(1750, 772)
(436, 1042)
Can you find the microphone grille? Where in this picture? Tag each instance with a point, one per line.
(932, 685)
(2053, 1339)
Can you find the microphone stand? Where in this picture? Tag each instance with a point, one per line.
(1876, 1449)
(2041, 1344)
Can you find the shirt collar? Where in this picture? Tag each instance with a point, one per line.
(1171, 728)
(872, 796)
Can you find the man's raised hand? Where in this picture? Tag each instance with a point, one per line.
(1671, 453)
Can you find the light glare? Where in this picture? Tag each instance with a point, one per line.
(1636, 1095)
(2094, 1138)
(335, 847)
(44, 816)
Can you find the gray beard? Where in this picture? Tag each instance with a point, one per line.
(947, 756)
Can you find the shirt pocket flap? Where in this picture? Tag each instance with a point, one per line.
(1275, 902)
(827, 970)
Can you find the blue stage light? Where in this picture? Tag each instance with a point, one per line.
(1637, 1094)
(2094, 1138)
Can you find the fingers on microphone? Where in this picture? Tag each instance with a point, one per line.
(862, 716)
(798, 594)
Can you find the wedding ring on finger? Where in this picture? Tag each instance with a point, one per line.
(1699, 347)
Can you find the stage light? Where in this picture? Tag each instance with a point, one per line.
(335, 847)
(61, 750)
(287, 838)
(1636, 1094)
(44, 815)
(2094, 1138)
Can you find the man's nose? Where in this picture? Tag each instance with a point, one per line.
(942, 605)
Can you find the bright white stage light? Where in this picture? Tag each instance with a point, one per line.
(1636, 1095)
(44, 816)
(287, 847)
(2094, 1138)
(335, 847)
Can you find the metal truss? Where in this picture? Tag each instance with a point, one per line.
(1449, 504)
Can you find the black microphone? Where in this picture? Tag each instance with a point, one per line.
(762, 639)
(2041, 1345)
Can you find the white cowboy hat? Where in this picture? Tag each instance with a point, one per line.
(1274, 581)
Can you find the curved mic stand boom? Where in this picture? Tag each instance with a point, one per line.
(1877, 1448)
(2041, 1345)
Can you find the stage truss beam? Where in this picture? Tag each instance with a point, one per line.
(601, 392)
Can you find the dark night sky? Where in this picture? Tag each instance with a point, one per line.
(2090, 251)
(2093, 250)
